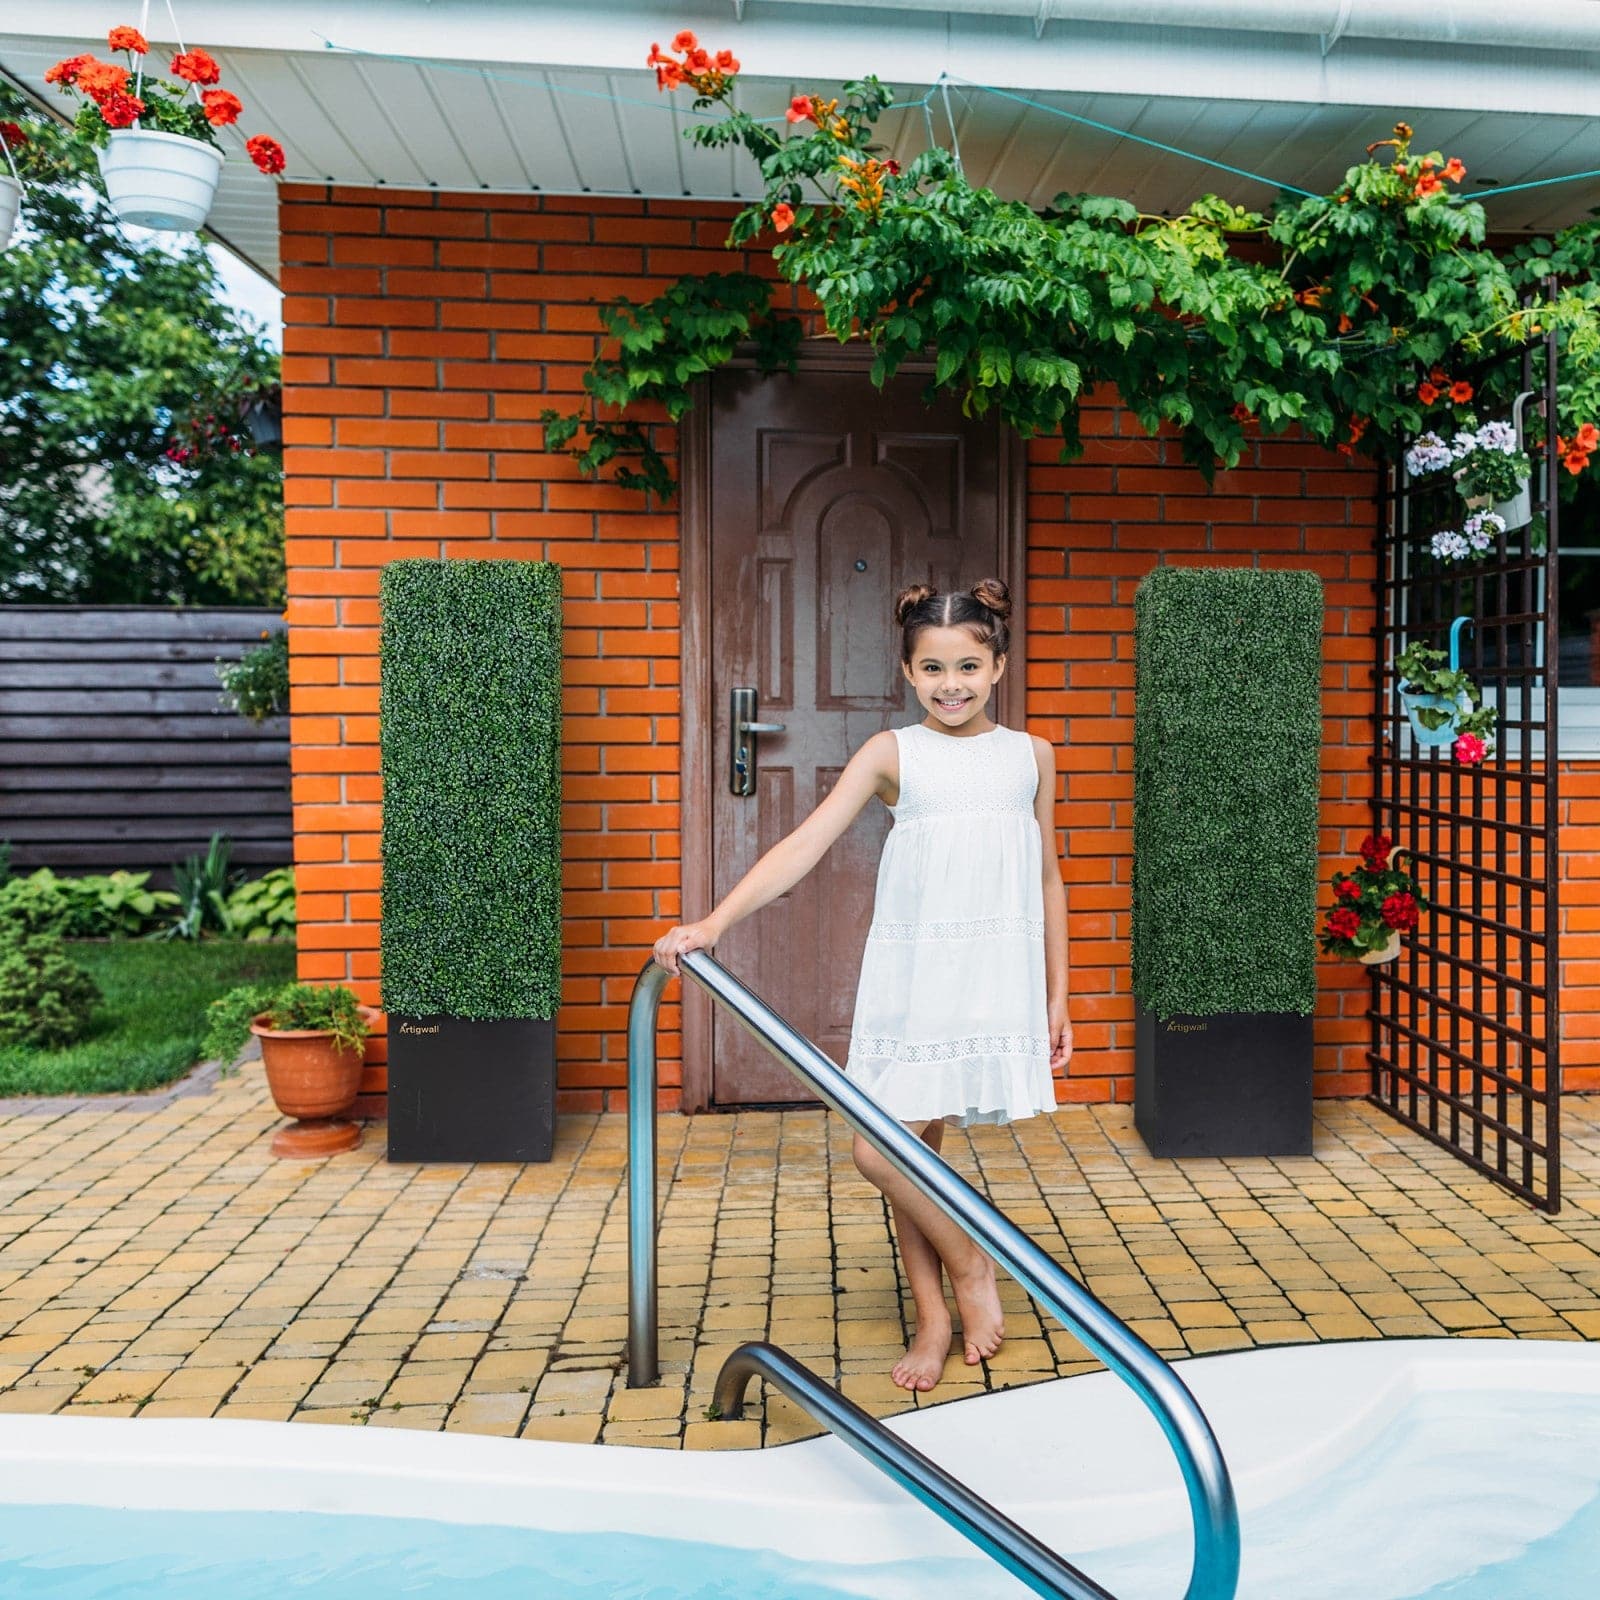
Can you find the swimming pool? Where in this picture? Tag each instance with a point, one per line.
(1424, 1470)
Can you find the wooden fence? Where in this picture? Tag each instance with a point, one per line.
(116, 749)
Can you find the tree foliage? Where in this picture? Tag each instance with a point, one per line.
(126, 472)
(1337, 315)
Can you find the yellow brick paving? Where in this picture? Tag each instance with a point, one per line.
(160, 1262)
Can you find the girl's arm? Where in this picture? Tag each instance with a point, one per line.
(873, 770)
(1055, 909)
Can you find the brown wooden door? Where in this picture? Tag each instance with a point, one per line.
(823, 498)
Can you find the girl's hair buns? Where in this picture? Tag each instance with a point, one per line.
(909, 599)
(983, 612)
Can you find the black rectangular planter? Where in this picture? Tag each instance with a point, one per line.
(471, 1091)
(1234, 1084)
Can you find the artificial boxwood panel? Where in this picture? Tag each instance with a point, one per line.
(1227, 736)
(471, 732)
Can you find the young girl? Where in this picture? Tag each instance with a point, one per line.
(961, 1008)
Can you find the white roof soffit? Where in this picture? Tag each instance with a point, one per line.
(552, 95)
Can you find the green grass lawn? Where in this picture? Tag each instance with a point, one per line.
(148, 1030)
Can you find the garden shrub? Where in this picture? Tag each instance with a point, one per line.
(203, 885)
(46, 1000)
(257, 684)
(470, 719)
(1227, 741)
(38, 903)
(264, 908)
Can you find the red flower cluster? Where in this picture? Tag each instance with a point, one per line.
(1575, 452)
(12, 136)
(196, 66)
(1400, 911)
(1438, 382)
(129, 39)
(266, 152)
(121, 110)
(222, 107)
(705, 73)
(1375, 850)
(1469, 749)
(1372, 903)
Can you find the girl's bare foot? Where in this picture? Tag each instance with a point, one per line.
(978, 1300)
(923, 1363)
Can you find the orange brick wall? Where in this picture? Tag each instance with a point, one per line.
(424, 333)
(1580, 925)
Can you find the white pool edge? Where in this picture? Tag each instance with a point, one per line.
(1081, 1459)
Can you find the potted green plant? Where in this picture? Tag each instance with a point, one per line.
(470, 727)
(1227, 743)
(313, 1043)
(157, 141)
(1442, 703)
(1373, 906)
(1489, 463)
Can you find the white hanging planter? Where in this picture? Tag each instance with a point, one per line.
(160, 180)
(10, 202)
(1385, 952)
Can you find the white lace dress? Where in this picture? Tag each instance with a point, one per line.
(950, 1016)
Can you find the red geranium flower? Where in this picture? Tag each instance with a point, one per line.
(1344, 923)
(1375, 850)
(121, 110)
(1348, 890)
(128, 39)
(1400, 911)
(66, 72)
(11, 134)
(100, 79)
(196, 66)
(222, 107)
(783, 217)
(266, 152)
(1469, 749)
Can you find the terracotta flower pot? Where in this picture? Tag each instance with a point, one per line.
(315, 1082)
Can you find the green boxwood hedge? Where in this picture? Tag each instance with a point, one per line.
(1227, 737)
(471, 733)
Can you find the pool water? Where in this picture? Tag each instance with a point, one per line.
(1465, 1496)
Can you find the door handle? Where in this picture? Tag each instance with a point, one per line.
(742, 728)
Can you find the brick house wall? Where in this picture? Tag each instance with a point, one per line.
(423, 335)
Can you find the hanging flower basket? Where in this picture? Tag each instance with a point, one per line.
(157, 141)
(1452, 706)
(1384, 954)
(160, 180)
(10, 204)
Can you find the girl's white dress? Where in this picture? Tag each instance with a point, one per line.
(950, 1016)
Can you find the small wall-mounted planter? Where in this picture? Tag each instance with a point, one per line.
(1517, 512)
(1237, 1083)
(10, 204)
(464, 1090)
(1384, 954)
(160, 180)
(1443, 734)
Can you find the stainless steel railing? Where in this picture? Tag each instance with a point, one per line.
(1017, 1550)
(1215, 1573)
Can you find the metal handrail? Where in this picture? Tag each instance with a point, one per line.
(1215, 1573)
(1018, 1551)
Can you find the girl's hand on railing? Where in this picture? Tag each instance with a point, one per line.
(677, 941)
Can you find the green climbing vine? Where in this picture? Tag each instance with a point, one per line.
(1355, 316)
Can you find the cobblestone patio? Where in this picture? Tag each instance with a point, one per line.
(158, 1261)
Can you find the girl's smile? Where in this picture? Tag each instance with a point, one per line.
(954, 677)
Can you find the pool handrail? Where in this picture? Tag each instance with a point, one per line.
(1213, 1509)
(1021, 1553)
